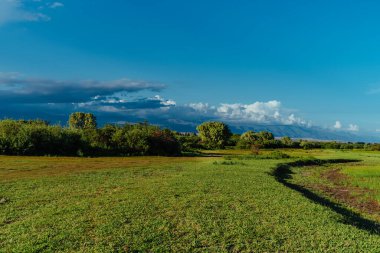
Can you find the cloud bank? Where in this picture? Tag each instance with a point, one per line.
(257, 112)
(15, 89)
(168, 111)
(125, 100)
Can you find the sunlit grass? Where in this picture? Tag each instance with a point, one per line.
(154, 204)
(13, 168)
(365, 176)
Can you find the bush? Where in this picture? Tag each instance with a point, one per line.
(131, 141)
(189, 142)
(163, 142)
(250, 139)
(27, 138)
(214, 135)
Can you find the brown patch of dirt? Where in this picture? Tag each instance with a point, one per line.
(352, 196)
(335, 176)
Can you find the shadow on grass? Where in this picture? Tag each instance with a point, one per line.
(283, 173)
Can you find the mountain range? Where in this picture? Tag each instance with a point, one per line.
(295, 132)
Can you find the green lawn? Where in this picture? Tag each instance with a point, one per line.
(365, 177)
(152, 204)
(366, 174)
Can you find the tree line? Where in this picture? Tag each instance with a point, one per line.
(82, 137)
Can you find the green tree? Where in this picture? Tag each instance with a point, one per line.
(287, 141)
(234, 140)
(81, 120)
(189, 141)
(250, 136)
(265, 136)
(104, 136)
(131, 140)
(164, 142)
(248, 139)
(261, 139)
(214, 134)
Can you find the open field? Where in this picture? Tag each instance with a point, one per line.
(214, 204)
(366, 175)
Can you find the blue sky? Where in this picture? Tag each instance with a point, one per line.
(309, 63)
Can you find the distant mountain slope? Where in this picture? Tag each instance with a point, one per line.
(306, 132)
(293, 131)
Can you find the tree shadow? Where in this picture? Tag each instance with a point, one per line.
(283, 173)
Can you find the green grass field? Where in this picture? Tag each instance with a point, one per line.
(367, 174)
(203, 204)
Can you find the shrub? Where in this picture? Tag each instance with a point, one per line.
(163, 142)
(26, 138)
(189, 142)
(214, 134)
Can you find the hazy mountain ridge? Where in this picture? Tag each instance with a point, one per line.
(316, 133)
(294, 131)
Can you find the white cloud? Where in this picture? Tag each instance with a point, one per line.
(263, 112)
(56, 5)
(165, 102)
(353, 128)
(293, 120)
(338, 125)
(258, 112)
(201, 107)
(127, 104)
(15, 11)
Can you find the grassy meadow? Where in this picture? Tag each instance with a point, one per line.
(227, 201)
(366, 175)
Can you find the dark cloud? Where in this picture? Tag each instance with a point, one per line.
(16, 90)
